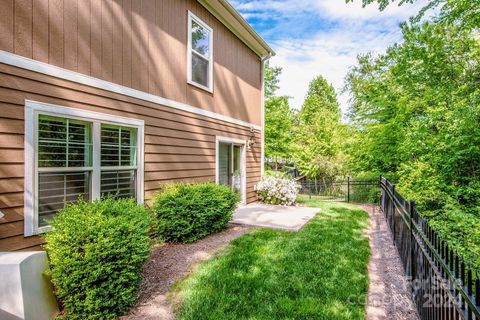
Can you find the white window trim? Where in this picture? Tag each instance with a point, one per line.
(32, 110)
(192, 17)
(243, 144)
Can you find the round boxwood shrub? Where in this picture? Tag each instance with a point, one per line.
(96, 252)
(188, 212)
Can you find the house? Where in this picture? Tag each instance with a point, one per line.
(117, 97)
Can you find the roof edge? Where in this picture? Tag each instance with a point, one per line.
(232, 19)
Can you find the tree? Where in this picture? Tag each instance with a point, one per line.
(316, 147)
(416, 111)
(279, 121)
(279, 118)
(320, 96)
(271, 80)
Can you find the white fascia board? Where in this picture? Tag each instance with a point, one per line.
(234, 21)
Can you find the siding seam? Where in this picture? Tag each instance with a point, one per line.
(58, 72)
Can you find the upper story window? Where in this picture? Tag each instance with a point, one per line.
(200, 53)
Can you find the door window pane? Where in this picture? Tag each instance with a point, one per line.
(237, 176)
(224, 161)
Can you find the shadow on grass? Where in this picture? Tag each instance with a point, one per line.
(319, 272)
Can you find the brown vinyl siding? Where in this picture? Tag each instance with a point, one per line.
(179, 146)
(135, 43)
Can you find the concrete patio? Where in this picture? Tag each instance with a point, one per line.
(271, 216)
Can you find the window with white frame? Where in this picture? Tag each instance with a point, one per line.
(76, 154)
(119, 161)
(200, 53)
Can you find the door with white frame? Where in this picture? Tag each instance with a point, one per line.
(230, 168)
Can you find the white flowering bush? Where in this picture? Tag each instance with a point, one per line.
(277, 190)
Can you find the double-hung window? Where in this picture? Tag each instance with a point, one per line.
(72, 154)
(200, 53)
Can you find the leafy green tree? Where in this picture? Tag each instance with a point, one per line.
(316, 147)
(279, 119)
(320, 97)
(271, 79)
(279, 122)
(416, 111)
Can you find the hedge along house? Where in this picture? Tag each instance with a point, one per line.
(119, 96)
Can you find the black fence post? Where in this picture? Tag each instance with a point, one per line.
(348, 189)
(381, 193)
(412, 253)
(393, 212)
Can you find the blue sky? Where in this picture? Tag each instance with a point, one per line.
(322, 37)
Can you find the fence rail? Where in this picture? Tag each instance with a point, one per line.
(349, 190)
(444, 286)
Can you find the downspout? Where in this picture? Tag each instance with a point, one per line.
(262, 106)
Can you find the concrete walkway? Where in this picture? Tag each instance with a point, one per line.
(279, 217)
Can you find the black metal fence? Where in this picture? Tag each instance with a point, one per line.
(348, 190)
(444, 286)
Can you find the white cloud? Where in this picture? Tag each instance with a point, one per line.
(323, 37)
(332, 52)
(338, 9)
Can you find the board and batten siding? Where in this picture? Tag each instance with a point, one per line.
(179, 146)
(141, 44)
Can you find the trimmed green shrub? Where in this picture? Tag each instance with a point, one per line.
(188, 212)
(96, 252)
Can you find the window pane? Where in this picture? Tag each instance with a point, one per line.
(63, 142)
(56, 189)
(224, 164)
(120, 183)
(199, 70)
(200, 39)
(237, 173)
(118, 146)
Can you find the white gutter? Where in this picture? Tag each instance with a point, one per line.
(262, 106)
(233, 20)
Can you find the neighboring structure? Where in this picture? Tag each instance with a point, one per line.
(119, 96)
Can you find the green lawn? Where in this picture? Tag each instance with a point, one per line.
(319, 272)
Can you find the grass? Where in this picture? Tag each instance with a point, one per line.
(319, 272)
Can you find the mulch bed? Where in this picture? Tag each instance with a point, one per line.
(169, 263)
